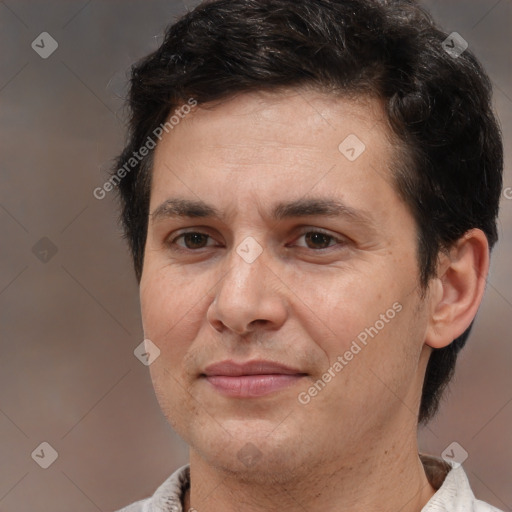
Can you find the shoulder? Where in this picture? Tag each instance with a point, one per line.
(168, 497)
(139, 506)
(455, 495)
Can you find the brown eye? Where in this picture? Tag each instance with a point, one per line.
(316, 238)
(195, 240)
(192, 240)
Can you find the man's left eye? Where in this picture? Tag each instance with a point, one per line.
(319, 240)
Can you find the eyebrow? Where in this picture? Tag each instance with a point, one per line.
(326, 207)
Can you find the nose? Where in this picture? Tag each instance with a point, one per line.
(249, 295)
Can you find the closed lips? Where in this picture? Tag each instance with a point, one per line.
(251, 379)
(257, 367)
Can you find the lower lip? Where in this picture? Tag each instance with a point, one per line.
(246, 386)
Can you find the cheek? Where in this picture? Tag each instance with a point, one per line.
(338, 307)
(365, 318)
(171, 312)
(167, 302)
(168, 321)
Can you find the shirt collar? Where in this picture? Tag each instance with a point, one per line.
(453, 492)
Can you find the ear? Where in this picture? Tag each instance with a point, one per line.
(456, 292)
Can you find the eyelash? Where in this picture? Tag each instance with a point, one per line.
(339, 241)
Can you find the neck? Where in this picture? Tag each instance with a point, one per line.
(384, 480)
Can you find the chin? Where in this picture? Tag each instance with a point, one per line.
(256, 452)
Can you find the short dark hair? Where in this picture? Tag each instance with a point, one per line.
(438, 106)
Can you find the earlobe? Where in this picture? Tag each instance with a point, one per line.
(457, 291)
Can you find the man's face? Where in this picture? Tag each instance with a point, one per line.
(326, 306)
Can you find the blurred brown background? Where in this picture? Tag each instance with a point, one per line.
(69, 315)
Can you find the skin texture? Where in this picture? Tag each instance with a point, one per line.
(301, 302)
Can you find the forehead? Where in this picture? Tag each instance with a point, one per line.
(264, 144)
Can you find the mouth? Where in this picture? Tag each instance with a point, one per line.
(250, 379)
